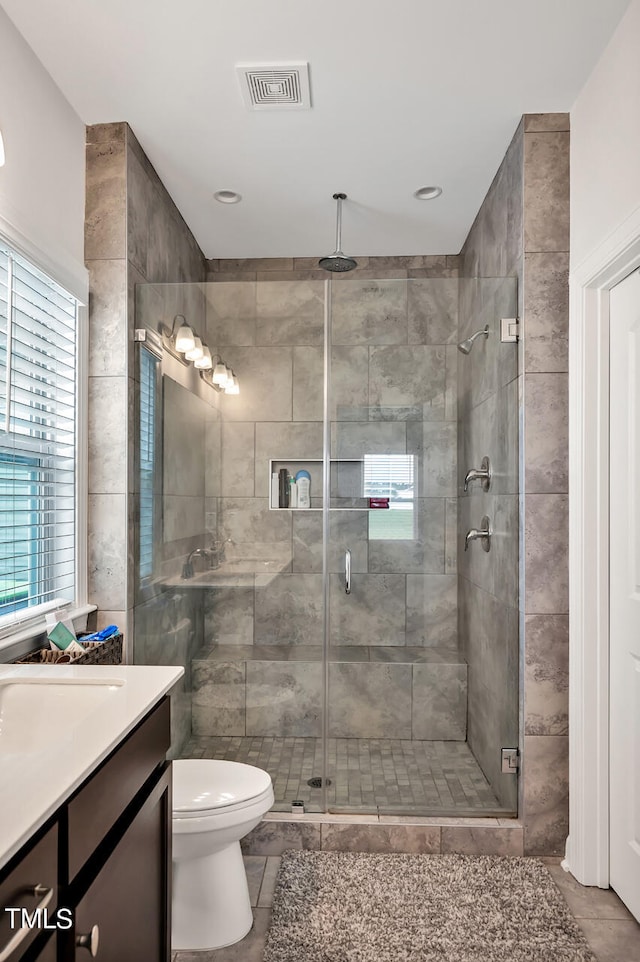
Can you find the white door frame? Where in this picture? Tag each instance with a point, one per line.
(587, 852)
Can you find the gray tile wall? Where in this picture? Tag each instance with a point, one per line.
(521, 231)
(393, 391)
(133, 234)
(387, 397)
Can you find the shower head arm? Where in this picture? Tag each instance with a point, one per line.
(339, 198)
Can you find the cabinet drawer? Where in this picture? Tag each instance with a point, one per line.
(100, 802)
(39, 866)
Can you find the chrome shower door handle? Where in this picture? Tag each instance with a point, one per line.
(347, 572)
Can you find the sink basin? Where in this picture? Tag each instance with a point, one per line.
(36, 712)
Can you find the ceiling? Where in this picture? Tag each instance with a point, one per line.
(404, 95)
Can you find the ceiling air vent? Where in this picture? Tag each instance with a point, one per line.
(270, 86)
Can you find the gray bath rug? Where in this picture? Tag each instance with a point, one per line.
(348, 907)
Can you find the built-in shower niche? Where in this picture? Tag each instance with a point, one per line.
(374, 483)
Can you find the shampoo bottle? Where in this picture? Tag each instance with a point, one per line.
(303, 483)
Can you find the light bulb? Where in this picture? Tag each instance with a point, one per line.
(219, 375)
(196, 351)
(184, 339)
(204, 362)
(232, 386)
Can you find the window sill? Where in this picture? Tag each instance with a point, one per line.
(26, 637)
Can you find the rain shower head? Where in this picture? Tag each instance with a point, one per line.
(338, 262)
(465, 346)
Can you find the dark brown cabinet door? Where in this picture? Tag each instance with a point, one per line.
(128, 901)
(36, 867)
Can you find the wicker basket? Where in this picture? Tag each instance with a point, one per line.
(107, 652)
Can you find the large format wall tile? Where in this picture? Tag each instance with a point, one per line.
(266, 384)
(546, 433)
(424, 553)
(369, 312)
(231, 313)
(184, 417)
(105, 213)
(433, 311)
(356, 439)
(347, 529)
(184, 517)
(546, 191)
(482, 841)
(374, 612)
(275, 837)
(290, 299)
(308, 383)
(289, 611)
(228, 616)
(349, 384)
(412, 839)
(546, 554)
(218, 698)
(433, 445)
(546, 309)
(505, 548)
(407, 383)
(109, 440)
(249, 521)
(547, 675)
(108, 552)
(237, 459)
(375, 703)
(439, 702)
(108, 338)
(546, 794)
(284, 699)
(432, 610)
(293, 441)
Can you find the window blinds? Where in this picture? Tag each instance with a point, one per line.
(148, 366)
(38, 321)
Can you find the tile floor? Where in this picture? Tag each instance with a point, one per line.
(611, 931)
(367, 775)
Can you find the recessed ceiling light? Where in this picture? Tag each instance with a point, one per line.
(427, 193)
(227, 197)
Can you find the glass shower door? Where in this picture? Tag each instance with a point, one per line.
(396, 674)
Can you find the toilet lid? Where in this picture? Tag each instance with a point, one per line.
(204, 784)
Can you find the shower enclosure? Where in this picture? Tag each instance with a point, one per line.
(353, 649)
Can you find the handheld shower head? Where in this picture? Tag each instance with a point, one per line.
(338, 262)
(465, 346)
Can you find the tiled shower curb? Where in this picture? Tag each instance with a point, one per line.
(385, 833)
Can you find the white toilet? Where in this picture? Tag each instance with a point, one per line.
(215, 804)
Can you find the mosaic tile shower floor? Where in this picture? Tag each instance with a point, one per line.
(369, 775)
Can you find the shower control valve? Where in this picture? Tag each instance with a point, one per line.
(483, 473)
(480, 534)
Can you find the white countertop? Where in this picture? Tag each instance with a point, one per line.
(37, 777)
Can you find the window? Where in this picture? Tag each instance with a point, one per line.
(391, 476)
(38, 322)
(147, 447)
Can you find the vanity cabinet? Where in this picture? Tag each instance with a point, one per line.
(29, 882)
(106, 856)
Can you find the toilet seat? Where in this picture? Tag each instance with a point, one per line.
(208, 787)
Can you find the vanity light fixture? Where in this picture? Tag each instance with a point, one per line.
(184, 344)
(220, 374)
(180, 337)
(205, 362)
(232, 386)
(196, 352)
